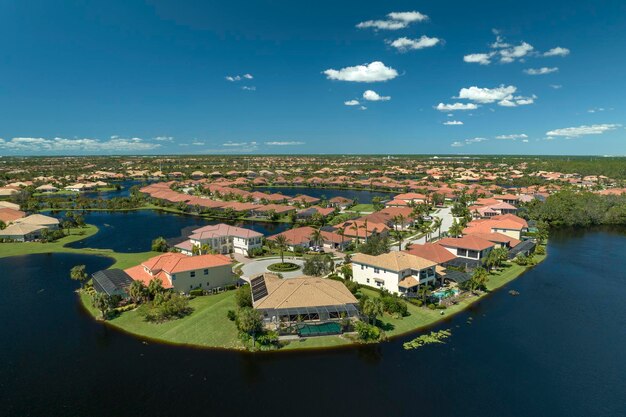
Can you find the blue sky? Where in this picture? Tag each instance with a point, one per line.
(150, 77)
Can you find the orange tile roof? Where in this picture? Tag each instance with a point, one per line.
(432, 252)
(466, 242)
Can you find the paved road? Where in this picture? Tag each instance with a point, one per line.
(257, 267)
(446, 221)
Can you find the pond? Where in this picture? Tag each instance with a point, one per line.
(133, 231)
(363, 196)
(554, 350)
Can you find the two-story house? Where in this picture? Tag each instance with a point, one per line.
(397, 272)
(184, 273)
(468, 247)
(222, 238)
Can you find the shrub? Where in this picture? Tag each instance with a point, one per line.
(367, 332)
(541, 250)
(231, 315)
(352, 286)
(283, 267)
(243, 296)
(393, 305)
(167, 306)
(432, 306)
(197, 292)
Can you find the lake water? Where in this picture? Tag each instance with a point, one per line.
(133, 231)
(363, 196)
(557, 349)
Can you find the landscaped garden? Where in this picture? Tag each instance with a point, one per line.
(283, 267)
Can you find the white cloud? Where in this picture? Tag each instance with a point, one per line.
(395, 21)
(456, 106)
(508, 55)
(503, 95)
(475, 140)
(362, 108)
(351, 103)
(371, 95)
(235, 78)
(512, 137)
(458, 144)
(366, 73)
(596, 110)
(453, 123)
(525, 140)
(248, 88)
(158, 138)
(575, 132)
(405, 44)
(556, 86)
(540, 71)
(197, 143)
(482, 59)
(284, 143)
(84, 145)
(487, 95)
(408, 17)
(558, 51)
(239, 144)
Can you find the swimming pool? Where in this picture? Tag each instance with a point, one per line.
(318, 329)
(441, 294)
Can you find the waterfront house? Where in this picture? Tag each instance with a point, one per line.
(507, 224)
(9, 215)
(468, 247)
(341, 203)
(301, 299)
(112, 282)
(223, 238)
(39, 220)
(22, 232)
(184, 273)
(397, 272)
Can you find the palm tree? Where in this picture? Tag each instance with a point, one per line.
(341, 231)
(398, 235)
(346, 271)
(365, 228)
(282, 243)
(356, 228)
(399, 219)
(205, 249)
(456, 229)
(316, 237)
(372, 308)
(437, 225)
(77, 273)
(425, 228)
(408, 245)
(137, 291)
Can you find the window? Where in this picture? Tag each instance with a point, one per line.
(206, 272)
(192, 274)
(173, 277)
(368, 280)
(207, 284)
(362, 267)
(376, 270)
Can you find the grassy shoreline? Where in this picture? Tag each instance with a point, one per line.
(122, 260)
(208, 328)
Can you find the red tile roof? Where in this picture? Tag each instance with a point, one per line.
(432, 252)
(466, 242)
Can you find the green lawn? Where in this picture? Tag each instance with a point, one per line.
(362, 208)
(207, 326)
(122, 260)
(421, 317)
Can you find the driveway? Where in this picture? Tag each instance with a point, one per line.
(258, 267)
(446, 217)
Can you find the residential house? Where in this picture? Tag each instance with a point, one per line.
(397, 272)
(508, 224)
(184, 273)
(223, 238)
(302, 237)
(468, 247)
(301, 299)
